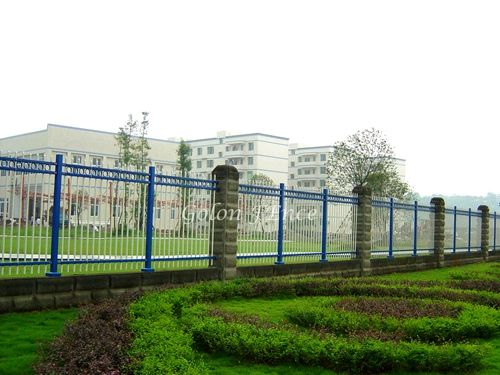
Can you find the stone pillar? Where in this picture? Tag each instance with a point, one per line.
(225, 220)
(485, 230)
(363, 228)
(439, 227)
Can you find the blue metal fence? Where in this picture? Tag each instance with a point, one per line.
(297, 224)
(88, 216)
(57, 217)
(401, 228)
(463, 230)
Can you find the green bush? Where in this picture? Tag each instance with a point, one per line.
(347, 326)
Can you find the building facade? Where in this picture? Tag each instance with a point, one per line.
(307, 166)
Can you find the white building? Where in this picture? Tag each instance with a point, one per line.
(307, 166)
(249, 153)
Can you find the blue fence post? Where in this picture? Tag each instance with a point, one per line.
(280, 224)
(324, 229)
(415, 229)
(56, 207)
(149, 220)
(454, 250)
(391, 227)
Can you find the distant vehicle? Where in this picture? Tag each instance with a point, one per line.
(64, 221)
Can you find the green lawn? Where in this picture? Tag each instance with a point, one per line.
(19, 333)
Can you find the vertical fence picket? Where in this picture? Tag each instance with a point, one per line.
(149, 220)
(55, 218)
(324, 226)
(281, 207)
(415, 229)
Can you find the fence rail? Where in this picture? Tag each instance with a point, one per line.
(57, 217)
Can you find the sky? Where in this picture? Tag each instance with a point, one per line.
(424, 73)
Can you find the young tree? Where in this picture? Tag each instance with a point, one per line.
(141, 147)
(184, 168)
(124, 140)
(263, 205)
(184, 159)
(365, 159)
(81, 203)
(141, 160)
(133, 151)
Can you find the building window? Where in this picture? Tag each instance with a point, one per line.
(249, 175)
(292, 164)
(307, 159)
(323, 157)
(322, 170)
(96, 162)
(116, 211)
(4, 206)
(77, 159)
(292, 177)
(250, 146)
(158, 213)
(292, 152)
(198, 164)
(307, 184)
(200, 151)
(220, 154)
(210, 163)
(299, 184)
(94, 209)
(221, 141)
(307, 171)
(210, 150)
(322, 183)
(250, 161)
(41, 157)
(159, 169)
(299, 171)
(300, 159)
(172, 213)
(117, 163)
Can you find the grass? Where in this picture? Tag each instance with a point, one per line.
(19, 333)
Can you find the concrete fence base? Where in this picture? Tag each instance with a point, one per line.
(29, 294)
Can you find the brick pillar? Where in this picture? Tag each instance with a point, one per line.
(485, 230)
(439, 227)
(363, 228)
(225, 220)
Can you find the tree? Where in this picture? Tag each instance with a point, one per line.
(261, 179)
(141, 147)
(124, 140)
(262, 207)
(133, 151)
(365, 159)
(184, 158)
(80, 204)
(184, 168)
(141, 160)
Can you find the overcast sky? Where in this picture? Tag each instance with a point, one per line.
(425, 73)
